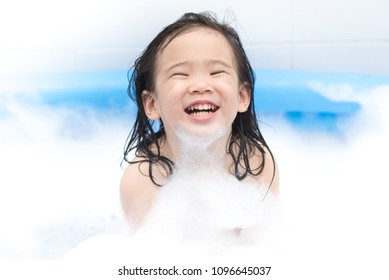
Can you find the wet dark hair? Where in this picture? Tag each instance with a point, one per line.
(145, 135)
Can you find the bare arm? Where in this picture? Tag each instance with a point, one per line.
(137, 194)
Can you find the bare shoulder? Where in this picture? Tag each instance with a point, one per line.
(137, 192)
(269, 175)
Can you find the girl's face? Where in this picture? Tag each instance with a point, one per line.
(197, 89)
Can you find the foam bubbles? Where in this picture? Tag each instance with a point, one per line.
(204, 199)
(202, 202)
(196, 141)
(51, 195)
(333, 195)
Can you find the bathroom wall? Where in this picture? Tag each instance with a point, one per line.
(348, 36)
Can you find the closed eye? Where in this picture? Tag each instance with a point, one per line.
(180, 74)
(217, 72)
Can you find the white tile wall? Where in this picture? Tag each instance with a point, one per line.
(84, 35)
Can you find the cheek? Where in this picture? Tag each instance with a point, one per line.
(170, 98)
(168, 108)
(230, 93)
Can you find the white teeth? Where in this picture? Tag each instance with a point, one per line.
(202, 107)
(201, 113)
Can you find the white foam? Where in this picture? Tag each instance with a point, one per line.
(203, 204)
(333, 194)
(58, 167)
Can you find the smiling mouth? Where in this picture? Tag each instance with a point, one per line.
(201, 110)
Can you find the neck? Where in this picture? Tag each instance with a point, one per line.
(205, 150)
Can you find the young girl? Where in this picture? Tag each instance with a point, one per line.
(194, 88)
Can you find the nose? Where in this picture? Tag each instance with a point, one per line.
(200, 85)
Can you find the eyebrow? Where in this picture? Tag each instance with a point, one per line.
(175, 65)
(211, 61)
(219, 61)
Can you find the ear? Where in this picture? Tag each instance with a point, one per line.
(244, 97)
(149, 104)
